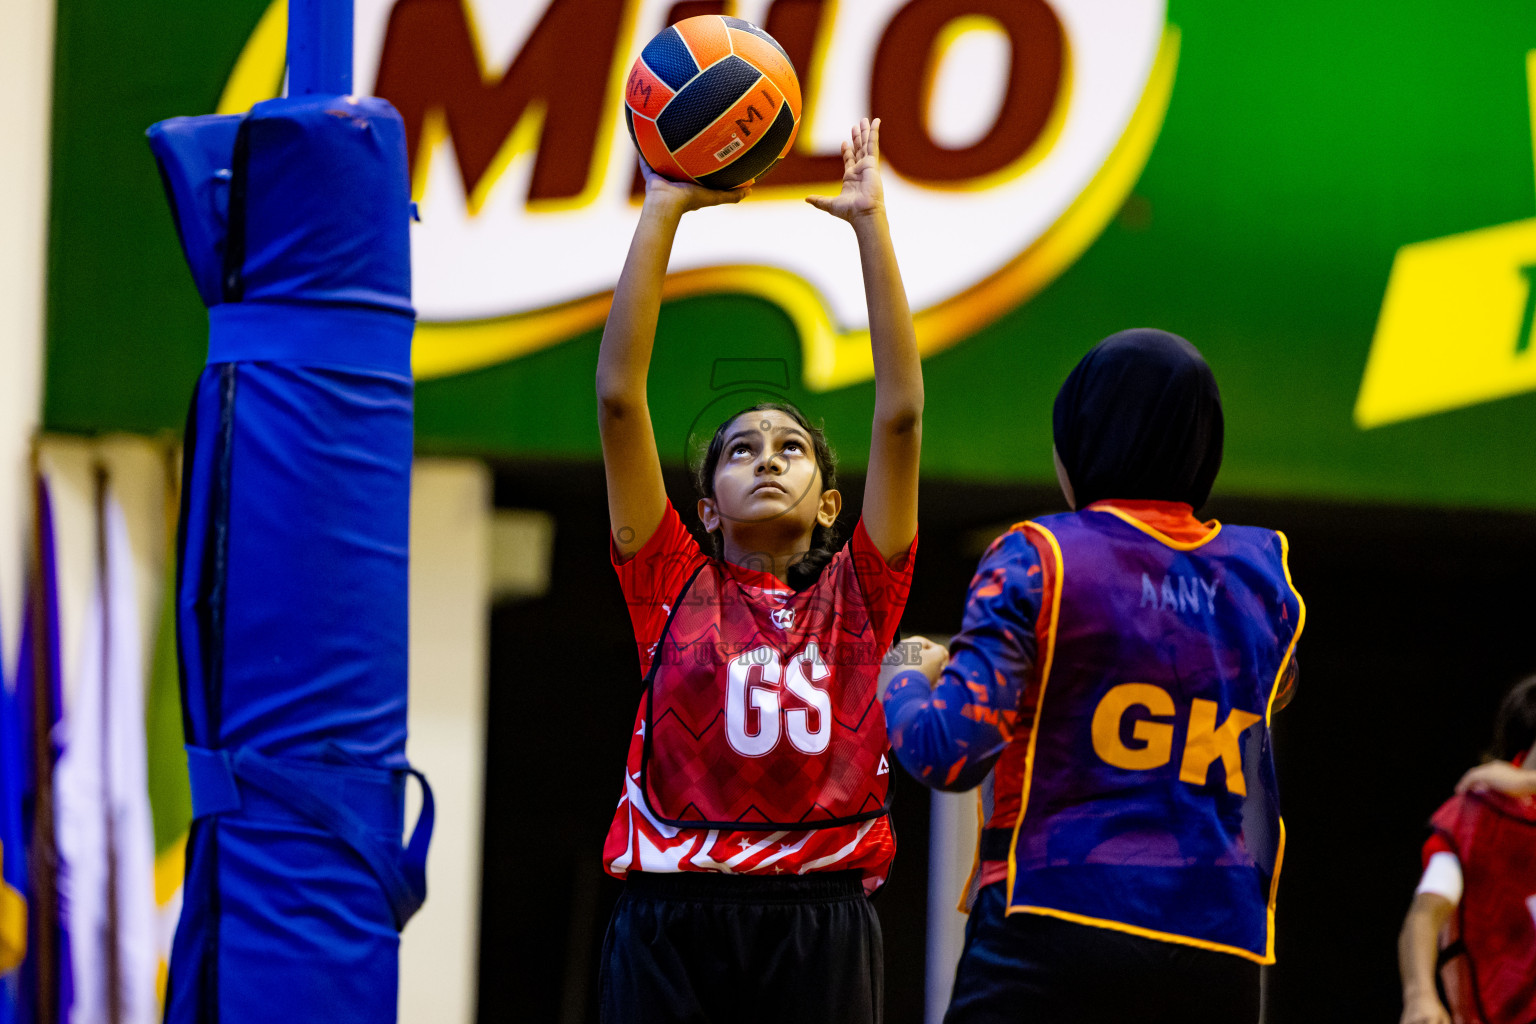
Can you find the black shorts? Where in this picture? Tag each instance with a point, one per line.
(1031, 969)
(694, 948)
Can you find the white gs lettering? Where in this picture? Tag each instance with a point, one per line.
(741, 694)
(807, 668)
(809, 728)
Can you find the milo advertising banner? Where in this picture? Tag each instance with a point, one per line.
(1333, 201)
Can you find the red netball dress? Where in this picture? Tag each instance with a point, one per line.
(760, 744)
(1490, 969)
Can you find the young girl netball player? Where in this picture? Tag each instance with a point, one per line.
(1115, 675)
(752, 820)
(1480, 878)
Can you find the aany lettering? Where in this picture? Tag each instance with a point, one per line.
(1179, 594)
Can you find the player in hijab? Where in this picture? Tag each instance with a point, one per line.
(1110, 692)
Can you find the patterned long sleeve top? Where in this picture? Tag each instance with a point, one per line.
(950, 736)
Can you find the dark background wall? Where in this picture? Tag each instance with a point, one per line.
(1417, 620)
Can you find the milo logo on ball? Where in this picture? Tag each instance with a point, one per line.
(1013, 131)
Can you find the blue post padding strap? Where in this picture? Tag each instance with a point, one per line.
(213, 782)
(360, 806)
(349, 337)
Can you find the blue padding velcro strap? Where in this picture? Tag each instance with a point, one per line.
(213, 782)
(348, 337)
(359, 806)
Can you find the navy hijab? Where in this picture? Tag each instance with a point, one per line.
(1140, 418)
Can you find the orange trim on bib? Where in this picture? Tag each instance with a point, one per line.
(970, 881)
(1045, 676)
(1153, 532)
(1146, 933)
(1269, 710)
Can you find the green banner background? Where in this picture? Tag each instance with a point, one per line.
(1305, 143)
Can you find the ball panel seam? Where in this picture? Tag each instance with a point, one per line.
(702, 101)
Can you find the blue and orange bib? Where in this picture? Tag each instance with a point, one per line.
(1149, 801)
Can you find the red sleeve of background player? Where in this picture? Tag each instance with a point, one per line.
(1437, 841)
(1434, 844)
(652, 577)
(885, 584)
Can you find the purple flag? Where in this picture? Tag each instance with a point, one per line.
(46, 989)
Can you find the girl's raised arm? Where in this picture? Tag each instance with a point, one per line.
(636, 495)
(890, 489)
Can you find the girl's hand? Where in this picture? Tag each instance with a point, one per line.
(1500, 776)
(682, 197)
(933, 658)
(930, 661)
(862, 192)
(1425, 1010)
(916, 652)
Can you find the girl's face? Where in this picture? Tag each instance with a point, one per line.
(767, 479)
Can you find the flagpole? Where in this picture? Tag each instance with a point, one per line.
(44, 853)
(114, 978)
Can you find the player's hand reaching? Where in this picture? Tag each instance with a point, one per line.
(917, 652)
(680, 197)
(931, 657)
(862, 192)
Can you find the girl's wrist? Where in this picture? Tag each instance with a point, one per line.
(665, 205)
(872, 219)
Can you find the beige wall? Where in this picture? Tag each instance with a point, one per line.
(137, 474)
(26, 67)
(450, 594)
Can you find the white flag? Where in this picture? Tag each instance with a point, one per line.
(105, 840)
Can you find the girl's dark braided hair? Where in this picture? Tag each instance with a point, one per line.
(806, 569)
(1514, 729)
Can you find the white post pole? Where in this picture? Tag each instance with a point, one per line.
(951, 852)
(450, 623)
